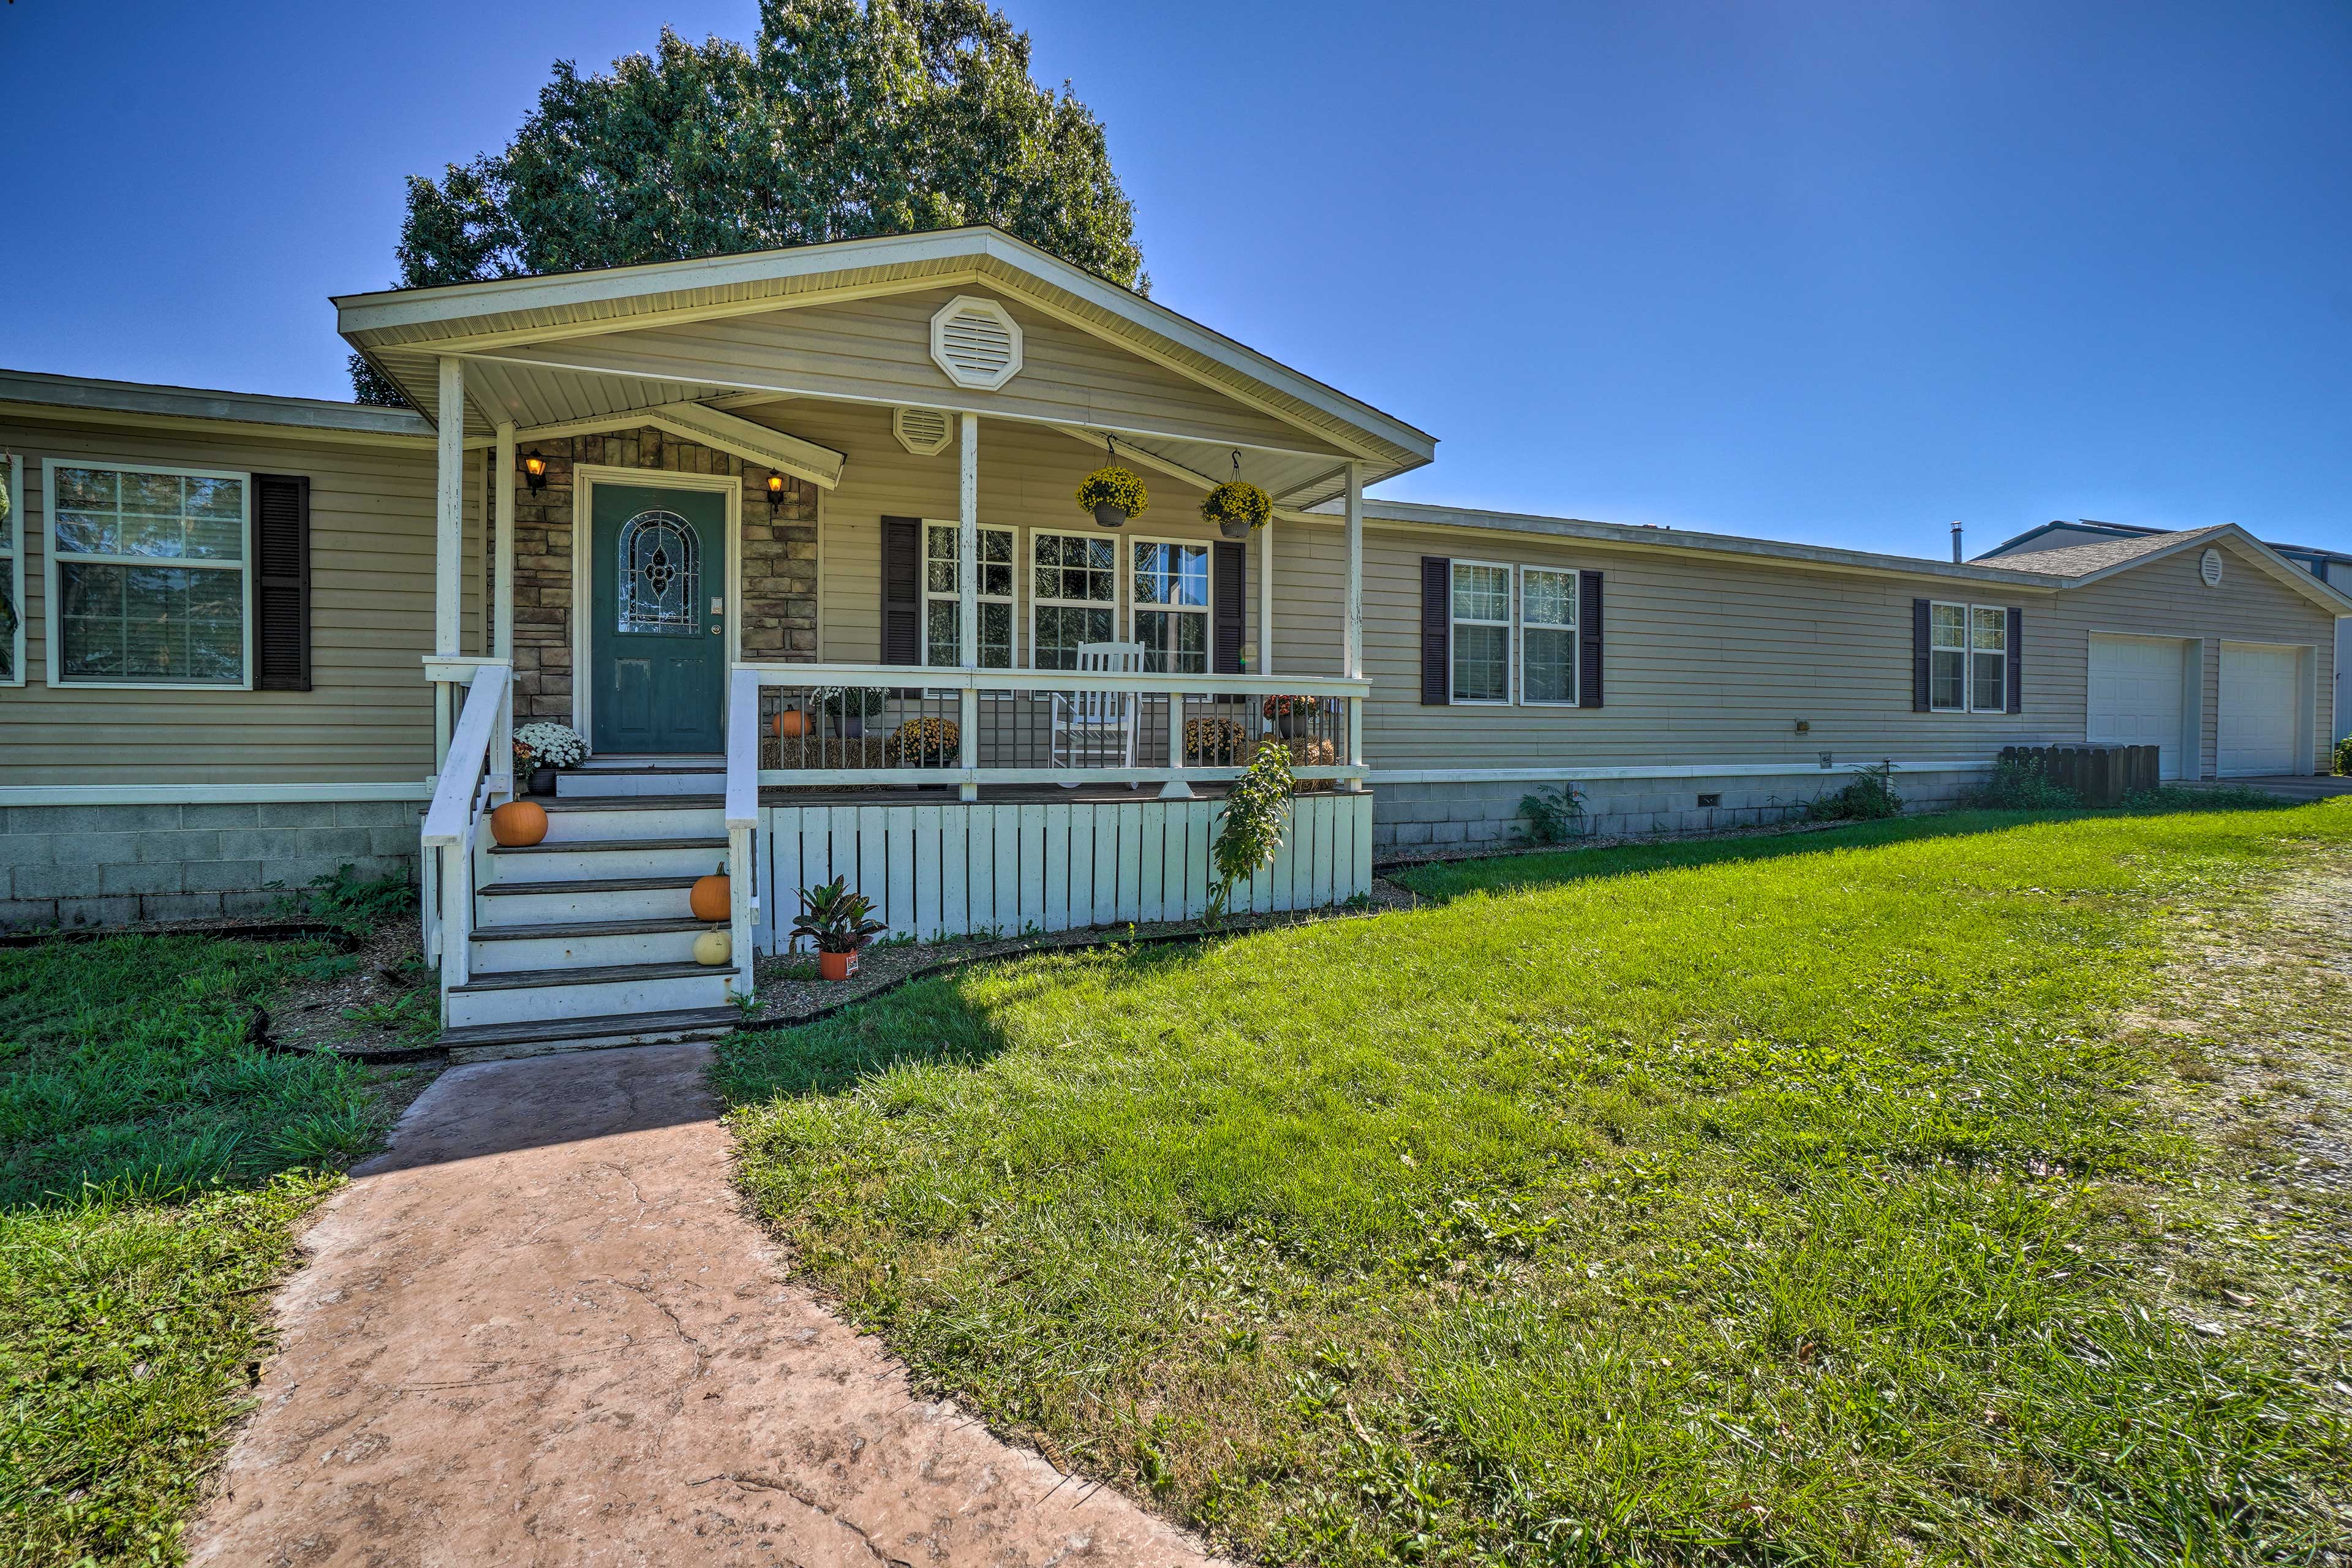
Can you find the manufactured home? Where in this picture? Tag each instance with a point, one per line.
(790, 538)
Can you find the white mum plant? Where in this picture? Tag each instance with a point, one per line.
(554, 745)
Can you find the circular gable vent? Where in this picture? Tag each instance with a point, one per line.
(976, 341)
(925, 432)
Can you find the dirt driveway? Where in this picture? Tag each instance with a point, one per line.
(539, 1330)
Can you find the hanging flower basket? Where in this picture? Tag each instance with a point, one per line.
(1237, 507)
(1114, 496)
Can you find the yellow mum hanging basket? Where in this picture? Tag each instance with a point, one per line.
(1114, 496)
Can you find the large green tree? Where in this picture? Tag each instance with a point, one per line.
(843, 119)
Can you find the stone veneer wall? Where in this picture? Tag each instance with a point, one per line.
(779, 613)
(1414, 821)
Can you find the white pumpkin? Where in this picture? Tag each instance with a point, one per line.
(713, 947)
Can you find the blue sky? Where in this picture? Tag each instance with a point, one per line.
(1836, 272)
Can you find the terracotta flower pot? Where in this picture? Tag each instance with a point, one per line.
(519, 823)
(713, 947)
(709, 898)
(791, 724)
(836, 965)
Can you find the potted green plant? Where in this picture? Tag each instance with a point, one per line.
(1237, 507)
(835, 921)
(1114, 495)
(551, 746)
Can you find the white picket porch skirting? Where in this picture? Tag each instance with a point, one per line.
(954, 869)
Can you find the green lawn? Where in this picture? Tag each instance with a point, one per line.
(1776, 1200)
(152, 1166)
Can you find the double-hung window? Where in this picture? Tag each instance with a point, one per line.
(148, 581)
(1546, 634)
(1988, 658)
(1171, 592)
(1968, 659)
(1072, 596)
(941, 620)
(1482, 632)
(11, 572)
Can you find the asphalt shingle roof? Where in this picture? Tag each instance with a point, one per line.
(2081, 560)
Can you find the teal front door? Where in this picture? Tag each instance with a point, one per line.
(657, 644)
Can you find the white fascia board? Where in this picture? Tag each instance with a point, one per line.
(207, 793)
(1679, 542)
(821, 466)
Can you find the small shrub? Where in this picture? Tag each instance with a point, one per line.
(1553, 815)
(1249, 830)
(1869, 798)
(2019, 785)
(2344, 757)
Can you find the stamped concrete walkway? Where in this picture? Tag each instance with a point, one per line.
(540, 1329)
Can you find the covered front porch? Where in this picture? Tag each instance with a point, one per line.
(870, 595)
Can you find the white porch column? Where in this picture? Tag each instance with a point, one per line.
(448, 544)
(967, 596)
(1265, 598)
(502, 639)
(450, 508)
(1354, 642)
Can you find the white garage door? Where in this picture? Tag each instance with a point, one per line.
(2136, 691)
(2258, 687)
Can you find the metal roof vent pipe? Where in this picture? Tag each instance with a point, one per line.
(1955, 541)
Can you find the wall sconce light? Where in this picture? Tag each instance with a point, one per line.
(775, 495)
(534, 472)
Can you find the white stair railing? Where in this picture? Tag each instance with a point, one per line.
(742, 818)
(452, 823)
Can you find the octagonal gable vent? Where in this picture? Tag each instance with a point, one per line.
(925, 432)
(976, 341)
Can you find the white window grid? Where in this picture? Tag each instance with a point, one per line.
(53, 558)
(1569, 626)
(1136, 607)
(1009, 599)
(1038, 602)
(1455, 621)
(1977, 637)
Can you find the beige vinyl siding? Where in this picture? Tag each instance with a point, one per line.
(1714, 661)
(880, 349)
(368, 717)
(1028, 481)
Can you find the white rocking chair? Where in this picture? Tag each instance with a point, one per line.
(1097, 729)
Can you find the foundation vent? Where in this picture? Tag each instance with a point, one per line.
(976, 341)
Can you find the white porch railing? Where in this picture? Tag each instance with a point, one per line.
(742, 821)
(975, 726)
(462, 793)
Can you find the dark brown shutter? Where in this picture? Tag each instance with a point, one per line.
(1229, 601)
(1919, 656)
(1588, 640)
(1436, 631)
(2016, 659)
(902, 590)
(281, 581)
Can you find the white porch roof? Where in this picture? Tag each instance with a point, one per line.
(531, 355)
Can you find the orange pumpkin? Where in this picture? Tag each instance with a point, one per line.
(709, 898)
(519, 823)
(791, 724)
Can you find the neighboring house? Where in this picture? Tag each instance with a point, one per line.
(2331, 566)
(683, 506)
